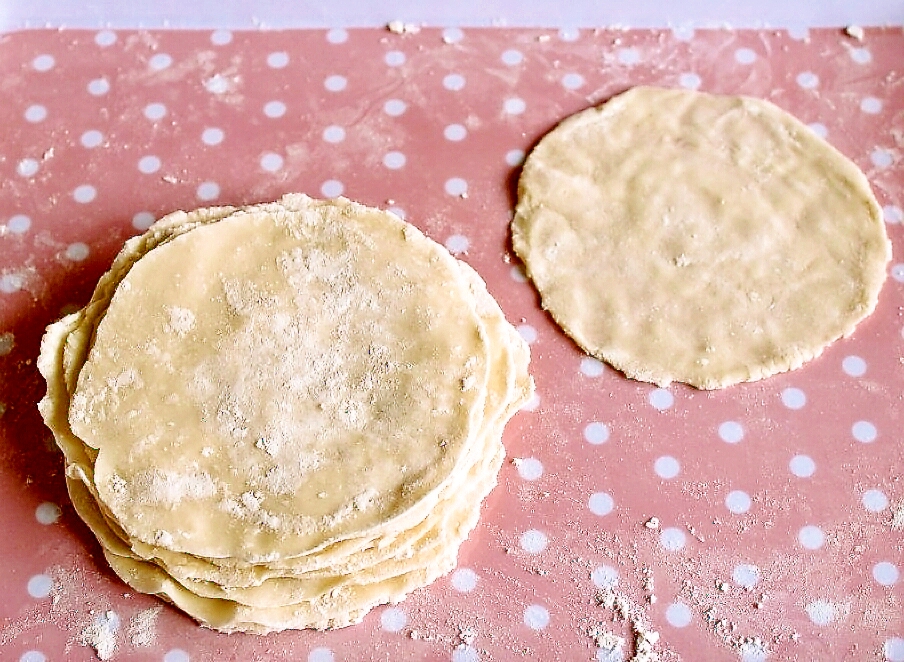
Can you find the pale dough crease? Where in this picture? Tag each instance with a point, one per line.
(685, 236)
(282, 415)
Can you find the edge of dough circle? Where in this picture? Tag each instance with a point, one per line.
(691, 237)
(282, 415)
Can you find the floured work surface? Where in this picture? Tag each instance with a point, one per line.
(692, 237)
(267, 418)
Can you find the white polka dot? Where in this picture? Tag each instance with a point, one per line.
(457, 244)
(628, 56)
(874, 501)
(514, 157)
(465, 654)
(861, 55)
(811, 537)
(335, 83)
(533, 541)
(39, 586)
(456, 186)
(661, 399)
(274, 109)
(105, 38)
(208, 190)
(881, 158)
(77, 252)
(738, 502)
(334, 134)
(455, 132)
(464, 580)
(527, 332)
(98, 87)
(753, 651)
(536, 617)
(601, 503)
(529, 468)
(28, 167)
(212, 136)
(220, 37)
(532, 404)
(332, 188)
(517, 274)
(44, 62)
(217, 84)
(512, 57)
(398, 211)
(808, 80)
(596, 433)
(160, 61)
(18, 224)
(820, 612)
(10, 283)
(569, 34)
(605, 577)
(176, 655)
(819, 129)
(277, 60)
(802, 466)
(32, 656)
(667, 467)
(731, 432)
(394, 160)
(591, 367)
(886, 573)
(149, 164)
(799, 32)
(143, 220)
(678, 615)
(897, 272)
(514, 106)
(672, 539)
(745, 56)
(154, 111)
(84, 193)
(454, 82)
(893, 214)
(452, 35)
(689, 80)
(746, 575)
(864, 432)
(271, 161)
(35, 113)
(91, 138)
(394, 107)
(871, 105)
(894, 649)
(394, 58)
(337, 36)
(793, 398)
(393, 619)
(572, 81)
(683, 32)
(854, 366)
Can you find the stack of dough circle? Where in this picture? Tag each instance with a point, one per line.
(283, 415)
(698, 238)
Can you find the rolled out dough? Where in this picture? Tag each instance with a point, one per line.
(685, 236)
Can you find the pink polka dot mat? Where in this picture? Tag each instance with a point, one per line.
(761, 522)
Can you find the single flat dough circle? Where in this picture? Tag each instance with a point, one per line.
(711, 240)
(282, 415)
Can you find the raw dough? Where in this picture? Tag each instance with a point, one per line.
(267, 418)
(698, 238)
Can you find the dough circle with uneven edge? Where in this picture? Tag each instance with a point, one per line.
(269, 418)
(691, 237)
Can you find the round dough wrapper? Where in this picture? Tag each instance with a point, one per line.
(711, 240)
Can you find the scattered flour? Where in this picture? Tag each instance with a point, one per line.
(645, 639)
(143, 627)
(101, 634)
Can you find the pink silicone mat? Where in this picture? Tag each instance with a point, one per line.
(778, 506)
